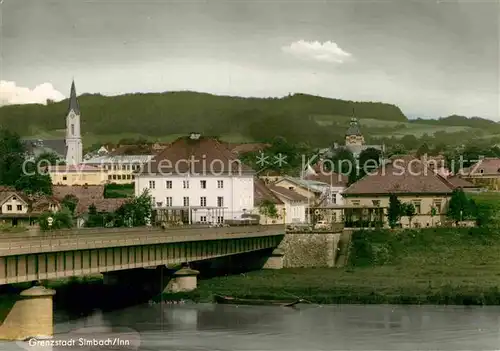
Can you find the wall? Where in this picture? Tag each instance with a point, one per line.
(309, 250)
(237, 192)
(79, 178)
(424, 218)
(295, 211)
(14, 201)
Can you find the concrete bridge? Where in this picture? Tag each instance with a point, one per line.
(80, 252)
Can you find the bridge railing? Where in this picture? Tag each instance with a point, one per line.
(125, 231)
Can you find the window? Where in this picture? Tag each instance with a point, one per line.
(110, 177)
(159, 204)
(203, 184)
(151, 184)
(334, 199)
(14, 198)
(418, 209)
(481, 171)
(437, 206)
(168, 184)
(168, 201)
(19, 207)
(203, 219)
(185, 184)
(65, 178)
(376, 203)
(220, 184)
(186, 201)
(220, 219)
(220, 201)
(72, 129)
(114, 176)
(9, 207)
(153, 199)
(203, 201)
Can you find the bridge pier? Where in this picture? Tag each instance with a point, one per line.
(184, 280)
(31, 316)
(275, 259)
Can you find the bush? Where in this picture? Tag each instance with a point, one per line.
(60, 220)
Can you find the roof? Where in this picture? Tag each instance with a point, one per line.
(287, 193)
(102, 205)
(80, 191)
(484, 167)
(73, 168)
(358, 149)
(458, 182)
(7, 194)
(38, 146)
(42, 203)
(201, 155)
(311, 185)
(353, 128)
(405, 178)
(263, 193)
(330, 178)
(119, 159)
(73, 101)
(247, 147)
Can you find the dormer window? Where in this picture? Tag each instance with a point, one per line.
(481, 171)
(14, 198)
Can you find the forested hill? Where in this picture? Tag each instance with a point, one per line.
(158, 114)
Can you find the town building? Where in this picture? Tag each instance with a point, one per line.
(19, 209)
(485, 173)
(77, 175)
(119, 169)
(264, 197)
(295, 205)
(412, 182)
(196, 179)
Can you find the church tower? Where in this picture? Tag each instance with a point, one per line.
(74, 150)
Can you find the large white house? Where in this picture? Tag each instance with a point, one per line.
(200, 179)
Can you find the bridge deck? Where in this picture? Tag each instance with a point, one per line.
(121, 237)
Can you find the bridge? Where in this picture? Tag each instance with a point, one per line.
(69, 253)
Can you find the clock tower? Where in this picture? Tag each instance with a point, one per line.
(74, 150)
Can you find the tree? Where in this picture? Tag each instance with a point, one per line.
(394, 211)
(268, 209)
(48, 159)
(344, 163)
(408, 210)
(135, 212)
(433, 213)
(34, 183)
(60, 220)
(423, 150)
(11, 157)
(460, 207)
(70, 202)
(369, 161)
(94, 218)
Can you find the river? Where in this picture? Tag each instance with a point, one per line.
(192, 327)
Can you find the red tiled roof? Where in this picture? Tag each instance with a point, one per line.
(403, 178)
(102, 205)
(262, 193)
(199, 156)
(334, 179)
(488, 166)
(287, 193)
(80, 191)
(247, 147)
(458, 182)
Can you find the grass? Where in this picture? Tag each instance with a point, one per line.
(396, 129)
(437, 266)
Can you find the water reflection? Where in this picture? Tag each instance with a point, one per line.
(348, 327)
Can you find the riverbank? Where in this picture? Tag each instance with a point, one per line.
(458, 266)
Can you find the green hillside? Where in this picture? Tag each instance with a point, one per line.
(164, 114)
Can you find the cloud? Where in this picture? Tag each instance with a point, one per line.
(11, 94)
(326, 52)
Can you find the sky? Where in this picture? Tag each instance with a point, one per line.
(431, 58)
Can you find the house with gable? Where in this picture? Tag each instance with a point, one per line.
(198, 180)
(413, 182)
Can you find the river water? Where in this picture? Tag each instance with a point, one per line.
(200, 327)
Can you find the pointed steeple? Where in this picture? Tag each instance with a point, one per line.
(73, 101)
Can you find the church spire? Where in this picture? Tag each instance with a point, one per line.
(73, 102)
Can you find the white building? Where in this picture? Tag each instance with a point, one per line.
(199, 179)
(74, 148)
(295, 204)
